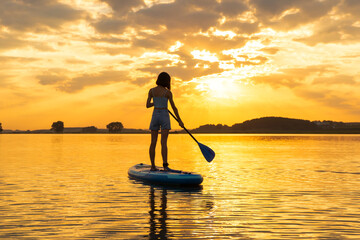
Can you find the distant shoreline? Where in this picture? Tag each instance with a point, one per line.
(265, 125)
(194, 132)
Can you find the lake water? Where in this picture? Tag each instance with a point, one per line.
(257, 187)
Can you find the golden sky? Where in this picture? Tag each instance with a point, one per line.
(91, 62)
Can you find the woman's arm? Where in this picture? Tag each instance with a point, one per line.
(149, 104)
(175, 110)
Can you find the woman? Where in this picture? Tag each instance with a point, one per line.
(160, 118)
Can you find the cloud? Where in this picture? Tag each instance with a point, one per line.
(320, 83)
(53, 76)
(119, 19)
(9, 70)
(270, 50)
(123, 7)
(272, 8)
(339, 26)
(183, 15)
(9, 59)
(110, 25)
(50, 79)
(33, 15)
(289, 14)
(8, 41)
(101, 78)
(336, 80)
(350, 6)
(5, 80)
(76, 61)
(333, 31)
(310, 70)
(108, 39)
(60, 78)
(292, 77)
(185, 71)
(153, 42)
(240, 27)
(278, 80)
(333, 99)
(214, 43)
(232, 8)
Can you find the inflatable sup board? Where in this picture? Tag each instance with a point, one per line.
(173, 177)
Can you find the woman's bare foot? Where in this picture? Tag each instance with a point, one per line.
(166, 167)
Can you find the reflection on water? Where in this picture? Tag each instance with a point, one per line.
(258, 187)
(158, 209)
(156, 231)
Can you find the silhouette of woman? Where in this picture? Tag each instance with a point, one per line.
(160, 117)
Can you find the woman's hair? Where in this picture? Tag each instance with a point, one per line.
(164, 80)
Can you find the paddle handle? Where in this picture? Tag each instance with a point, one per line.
(183, 127)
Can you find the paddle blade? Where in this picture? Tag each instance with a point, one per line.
(208, 153)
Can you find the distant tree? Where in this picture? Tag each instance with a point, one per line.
(1, 129)
(115, 127)
(91, 129)
(57, 127)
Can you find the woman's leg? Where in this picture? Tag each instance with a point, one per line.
(164, 151)
(154, 136)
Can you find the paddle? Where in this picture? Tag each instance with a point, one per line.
(208, 153)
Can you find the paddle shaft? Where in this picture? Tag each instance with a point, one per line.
(183, 127)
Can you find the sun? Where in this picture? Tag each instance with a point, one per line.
(220, 88)
(217, 88)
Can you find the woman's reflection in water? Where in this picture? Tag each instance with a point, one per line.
(158, 211)
(162, 218)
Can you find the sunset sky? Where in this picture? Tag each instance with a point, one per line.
(91, 62)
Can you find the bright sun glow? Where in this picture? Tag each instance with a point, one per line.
(219, 87)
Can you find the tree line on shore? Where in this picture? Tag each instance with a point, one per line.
(280, 125)
(113, 127)
(58, 127)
